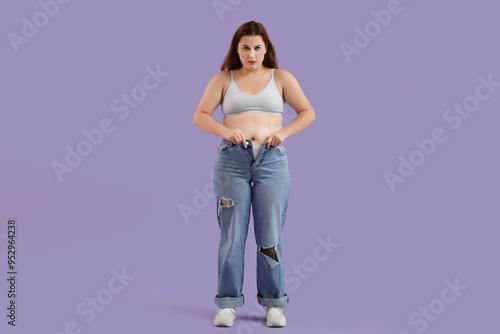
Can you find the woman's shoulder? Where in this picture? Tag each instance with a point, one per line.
(222, 74)
(283, 73)
(221, 77)
(284, 76)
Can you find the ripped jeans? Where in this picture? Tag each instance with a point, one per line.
(264, 181)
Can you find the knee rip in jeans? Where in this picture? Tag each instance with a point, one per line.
(224, 203)
(271, 252)
(227, 203)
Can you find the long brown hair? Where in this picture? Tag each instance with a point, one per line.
(232, 60)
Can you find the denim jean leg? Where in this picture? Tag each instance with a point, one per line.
(232, 191)
(269, 206)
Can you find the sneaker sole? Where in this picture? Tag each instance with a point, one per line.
(275, 324)
(223, 324)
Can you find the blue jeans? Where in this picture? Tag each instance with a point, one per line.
(236, 169)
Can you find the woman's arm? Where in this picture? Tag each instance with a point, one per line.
(296, 99)
(210, 100)
(205, 121)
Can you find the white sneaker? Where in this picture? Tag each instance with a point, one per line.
(225, 316)
(275, 316)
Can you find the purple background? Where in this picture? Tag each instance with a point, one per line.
(121, 206)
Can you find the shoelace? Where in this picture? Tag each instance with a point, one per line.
(225, 310)
(273, 310)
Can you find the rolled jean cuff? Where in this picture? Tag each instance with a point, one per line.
(229, 301)
(281, 302)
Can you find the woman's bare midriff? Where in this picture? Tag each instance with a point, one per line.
(256, 126)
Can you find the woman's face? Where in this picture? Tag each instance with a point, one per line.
(251, 48)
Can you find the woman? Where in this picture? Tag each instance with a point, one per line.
(252, 166)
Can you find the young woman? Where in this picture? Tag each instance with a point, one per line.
(252, 166)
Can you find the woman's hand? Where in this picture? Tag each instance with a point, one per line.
(275, 138)
(236, 136)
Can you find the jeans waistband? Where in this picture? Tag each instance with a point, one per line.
(249, 141)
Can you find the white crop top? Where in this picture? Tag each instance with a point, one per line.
(236, 102)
